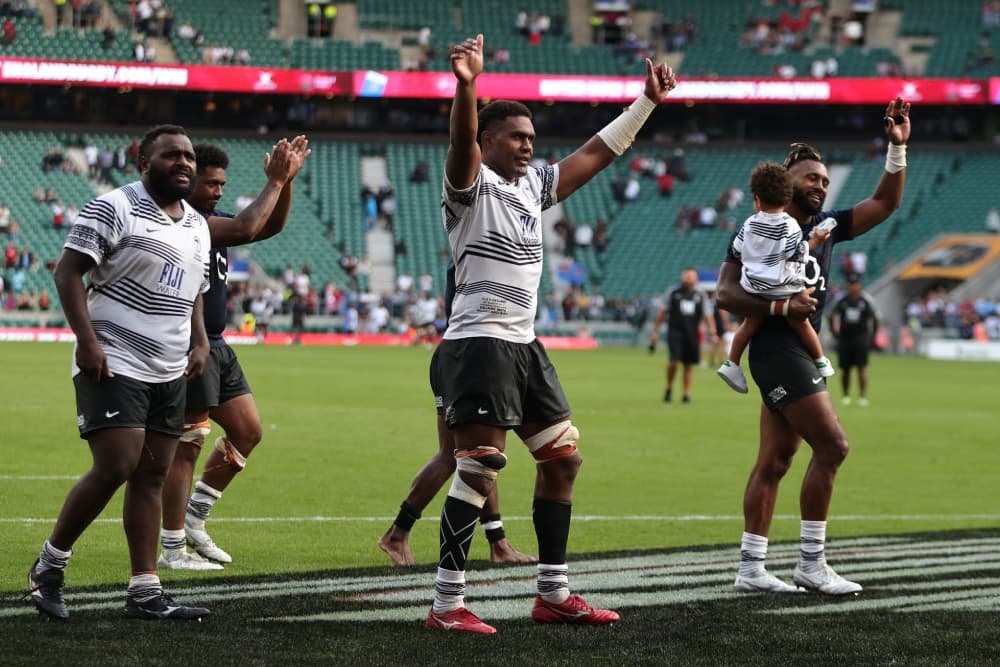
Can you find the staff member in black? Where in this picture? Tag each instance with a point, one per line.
(854, 321)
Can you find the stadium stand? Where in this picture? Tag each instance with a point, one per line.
(32, 42)
(646, 250)
(235, 23)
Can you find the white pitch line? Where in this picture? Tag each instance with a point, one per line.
(37, 478)
(581, 518)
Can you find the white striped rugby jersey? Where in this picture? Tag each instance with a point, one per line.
(774, 253)
(495, 233)
(149, 272)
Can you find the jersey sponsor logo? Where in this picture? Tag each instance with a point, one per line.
(153, 229)
(817, 380)
(222, 268)
(481, 411)
(777, 394)
(529, 228)
(170, 280)
(108, 414)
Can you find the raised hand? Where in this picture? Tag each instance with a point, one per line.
(660, 80)
(467, 59)
(897, 121)
(279, 163)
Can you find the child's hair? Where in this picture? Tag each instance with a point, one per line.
(771, 184)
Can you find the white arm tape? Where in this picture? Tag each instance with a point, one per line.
(620, 133)
(895, 158)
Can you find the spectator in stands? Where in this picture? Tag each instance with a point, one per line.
(600, 238)
(707, 217)
(665, 184)
(425, 282)
(121, 158)
(378, 318)
(387, 207)
(143, 16)
(677, 165)
(108, 38)
(631, 188)
(583, 235)
(14, 231)
(242, 57)
(521, 22)
(38, 194)
(9, 32)
(105, 159)
(419, 173)
(53, 159)
(859, 262)
(91, 14)
(70, 215)
(5, 217)
(404, 282)
(58, 214)
(90, 157)
(244, 200)
(992, 221)
(132, 152)
(50, 195)
(10, 256)
(186, 31)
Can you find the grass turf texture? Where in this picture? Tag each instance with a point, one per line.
(345, 429)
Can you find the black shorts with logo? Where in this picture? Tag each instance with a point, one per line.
(782, 368)
(853, 352)
(496, 382)
(223, 380)
(436, 382)
(123, 402)
(683, 348)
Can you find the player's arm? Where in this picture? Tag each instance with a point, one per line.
(834, 320)
(710, 326)
(464, 158)
(875, 322)
(654, 338)
(889, 193)
(267, 214)
(198, 356)
(69, 272)
(732, 297)
(616, 137)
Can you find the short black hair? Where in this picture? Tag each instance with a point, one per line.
(152, 135)
(495, 112)
(800, 153)
(771, 184)
(210, 155)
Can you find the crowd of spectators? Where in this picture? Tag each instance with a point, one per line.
(968, 319)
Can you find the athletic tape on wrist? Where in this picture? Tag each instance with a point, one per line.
(620, 133)
(895, 158)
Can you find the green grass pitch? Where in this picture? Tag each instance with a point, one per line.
(345, 430)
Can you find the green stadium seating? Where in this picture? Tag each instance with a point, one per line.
(65, 43)
(646, 251)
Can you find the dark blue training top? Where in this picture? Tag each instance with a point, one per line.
(217, 295)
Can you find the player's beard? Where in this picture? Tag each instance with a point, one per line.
(801, 199)
(162, 183)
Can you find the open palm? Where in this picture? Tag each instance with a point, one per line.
(467, 59)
